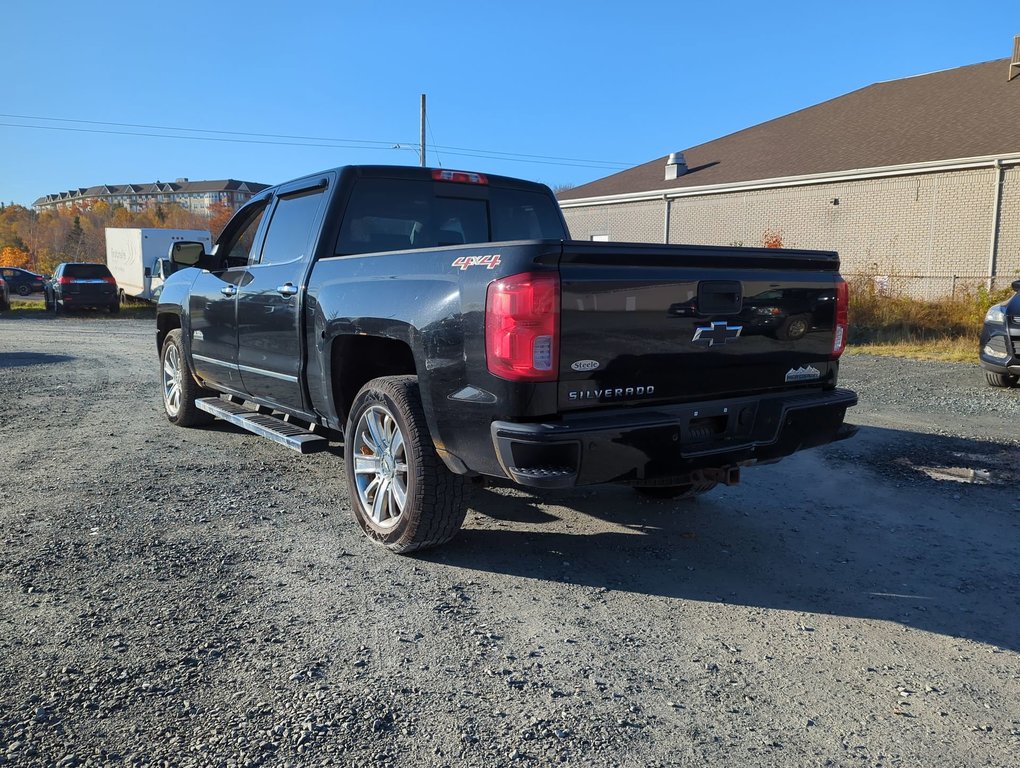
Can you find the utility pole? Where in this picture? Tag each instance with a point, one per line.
(421, 151)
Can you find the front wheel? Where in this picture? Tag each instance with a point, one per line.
(402, 494)
(180, 390)
(1000, 379)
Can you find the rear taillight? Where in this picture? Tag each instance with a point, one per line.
(111, 280)
(65, 280)
(522, 326)
(842, 318)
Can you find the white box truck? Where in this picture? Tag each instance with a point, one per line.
(135, 257)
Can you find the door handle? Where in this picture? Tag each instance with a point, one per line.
(228, 290)
(287, 289)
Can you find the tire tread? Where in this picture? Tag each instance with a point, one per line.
(442, 508)
(189, 415)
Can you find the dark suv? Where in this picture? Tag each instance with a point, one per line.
(1000, 342)
(21, 281)
(76, 285)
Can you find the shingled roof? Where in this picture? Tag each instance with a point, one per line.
(971, 111)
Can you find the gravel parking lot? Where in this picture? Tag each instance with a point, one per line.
(203, 597)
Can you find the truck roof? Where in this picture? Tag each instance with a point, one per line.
(417, 173)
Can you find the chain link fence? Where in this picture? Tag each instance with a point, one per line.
(930, 287)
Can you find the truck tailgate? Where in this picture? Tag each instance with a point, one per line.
(642, 324)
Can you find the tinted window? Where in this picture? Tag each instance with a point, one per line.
(389, 215)
(518, 214)
(290, 227)
(87, 271)
(236, 248)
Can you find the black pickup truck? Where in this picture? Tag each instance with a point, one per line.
(442, 325)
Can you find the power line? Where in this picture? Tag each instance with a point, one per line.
(190, 130)
(433, 135)
(304, 141)
(190, 138)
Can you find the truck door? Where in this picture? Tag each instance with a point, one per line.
(270, 300)
(213, 302)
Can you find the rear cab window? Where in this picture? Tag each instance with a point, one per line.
(399, 214)
(87, 271)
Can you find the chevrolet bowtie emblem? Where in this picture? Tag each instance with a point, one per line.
(716, 333)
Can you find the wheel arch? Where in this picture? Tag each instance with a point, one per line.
(354, 360)
(165, 322)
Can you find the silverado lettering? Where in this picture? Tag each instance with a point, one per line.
(589, 394)
(327, 310)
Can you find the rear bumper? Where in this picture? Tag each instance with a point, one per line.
(71, 300)
(659, 444)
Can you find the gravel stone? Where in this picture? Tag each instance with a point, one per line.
(203, 597)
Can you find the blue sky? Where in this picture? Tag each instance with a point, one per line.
(584, 85)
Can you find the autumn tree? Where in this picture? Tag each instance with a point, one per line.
(219, 215)
(772, 238)
(15, 257)
(39, 240)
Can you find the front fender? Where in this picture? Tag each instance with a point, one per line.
(172, 306)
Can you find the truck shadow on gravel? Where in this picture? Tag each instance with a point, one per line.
(23, 359)
(878, 528)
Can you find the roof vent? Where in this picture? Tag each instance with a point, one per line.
(1014, 64)
(676, 166)
(182, 180)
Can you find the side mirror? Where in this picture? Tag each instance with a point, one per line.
(147, 272)
(187, 253)
(1015, 285)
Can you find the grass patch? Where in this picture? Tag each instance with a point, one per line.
(922, 329)
(963, 349)
(35, 308)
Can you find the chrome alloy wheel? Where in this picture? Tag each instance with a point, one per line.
(380, 466)
(172, 380)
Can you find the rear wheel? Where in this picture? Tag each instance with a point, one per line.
(1000, 379)
(402, 494)
(684, 491)
(47, 304)
(114, 308)
(793, 328)
(23, 290)
(180, 390)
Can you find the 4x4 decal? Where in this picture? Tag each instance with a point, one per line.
(490, 261)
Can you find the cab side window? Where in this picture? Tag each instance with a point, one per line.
(290, 228)
(235, 250)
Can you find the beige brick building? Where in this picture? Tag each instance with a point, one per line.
(915, 182)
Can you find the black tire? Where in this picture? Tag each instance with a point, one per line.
(23, 290)
(685, 491)
(794, 328)
(55, 306)
(114, 308)
(47, 304)
(1000, 379)
(178, 385)
(387, 430)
